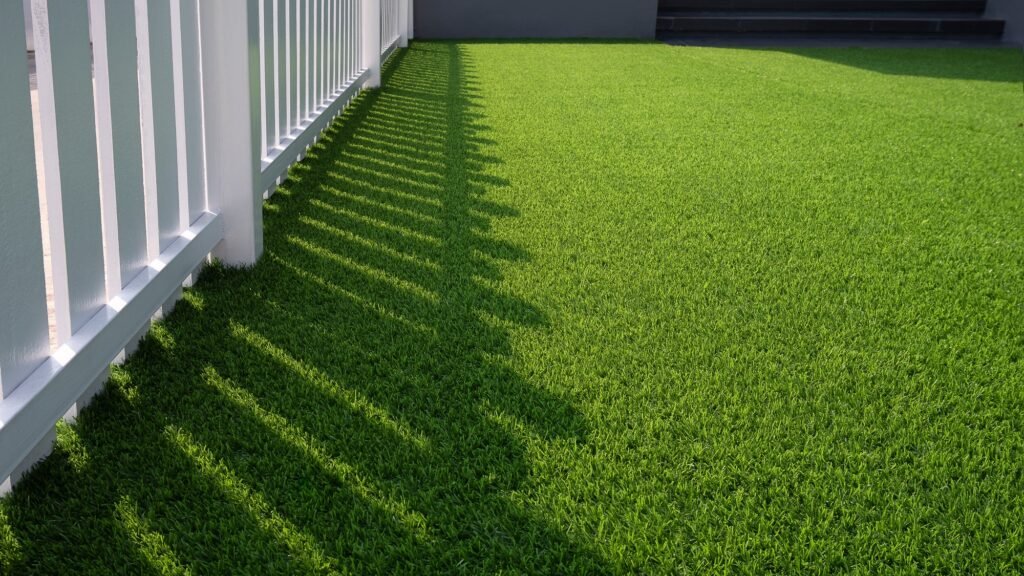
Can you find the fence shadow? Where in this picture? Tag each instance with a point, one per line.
(350, 403)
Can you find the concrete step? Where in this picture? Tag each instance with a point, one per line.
(916, 6)
(837, 23)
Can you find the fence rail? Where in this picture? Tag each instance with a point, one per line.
(162, 124)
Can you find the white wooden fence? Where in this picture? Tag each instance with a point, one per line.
(393, 17)
(162, 124)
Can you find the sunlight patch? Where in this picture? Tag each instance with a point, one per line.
(510, 423)
(303, 547)
(385, 206)
(372, 272)
(389, 226)
(357, 400)
(194, 299)
(371, 305)
(309, 446)
(348, 235)
(423, 199)
(69, 442)
(10, 548)
(121, 381)
(150, 543)
(160, 335)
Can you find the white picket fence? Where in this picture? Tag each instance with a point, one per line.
(393, 16)
(163, 124)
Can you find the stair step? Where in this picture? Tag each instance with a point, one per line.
(819, 15)
(790, 24)
(918, 6)
(827, 40)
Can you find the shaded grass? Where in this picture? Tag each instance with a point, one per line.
(584, 309)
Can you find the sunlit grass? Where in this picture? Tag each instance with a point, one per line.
(591, 308)
(151, 544)
(352, 397)
(304, 549)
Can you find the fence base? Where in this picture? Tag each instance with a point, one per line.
(42, 449)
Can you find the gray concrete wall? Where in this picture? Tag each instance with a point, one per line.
(1013, 12)
(535, 18)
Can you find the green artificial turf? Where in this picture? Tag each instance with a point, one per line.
(591, 308)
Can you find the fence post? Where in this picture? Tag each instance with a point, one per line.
(371, 42)
(229, 30)
(403, 23)
(410, 20)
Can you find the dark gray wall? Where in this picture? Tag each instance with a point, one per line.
(1013, 12)
(535, 18)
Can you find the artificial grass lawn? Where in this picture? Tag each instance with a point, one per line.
(589, 308)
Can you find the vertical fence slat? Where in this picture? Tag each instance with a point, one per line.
(314, 55)
(343, 19)
(295, 43)
(281, 78)
(310, 52)
(309, 46)
(332, 46)
(349, 40)
(321, 57)
(356, 63)
(280, 63)
(152, 223)
(339, 45)
(67, 118)
(267, 52)
(105, 145)
(120, 138)
(360, 39)
(326, 44)
(325, 49)
(193, 95)
(302, 30)
(24, 331)
(159, 138)
(350, 54)
(357, 37)
(178, 78)
(343, 41)
(264, 81)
